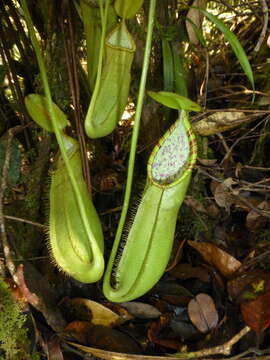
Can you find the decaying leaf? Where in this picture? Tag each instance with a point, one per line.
(88, 310)
(202, 312)
(102, 337)
(220, 259)
(256, 313)
(141, 310)
(219, 122)
(158, 330)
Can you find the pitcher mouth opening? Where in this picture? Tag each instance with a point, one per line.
(174, 156)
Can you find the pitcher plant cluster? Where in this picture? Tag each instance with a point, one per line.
(138, 259)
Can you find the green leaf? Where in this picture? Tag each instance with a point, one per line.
(38, 108)
(174, 101)
(235, 44)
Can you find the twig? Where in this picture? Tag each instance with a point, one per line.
(256, 168)
(253, 350)
(204, 85)
(265, 25)
(262, 212)
(224, 349)
(239, 139)
(226, 147)
(25, 221)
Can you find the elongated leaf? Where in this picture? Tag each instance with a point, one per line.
(235, 44)
(38, 108)
(174, 101)
(168, 70)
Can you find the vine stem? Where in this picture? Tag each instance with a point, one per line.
(97, 254)
(136, 128)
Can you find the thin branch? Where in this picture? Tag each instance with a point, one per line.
(15, 218)
(239, 139)
(224, 349)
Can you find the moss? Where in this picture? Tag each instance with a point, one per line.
(13, 335)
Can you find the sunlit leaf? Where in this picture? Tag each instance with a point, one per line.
(174, 101)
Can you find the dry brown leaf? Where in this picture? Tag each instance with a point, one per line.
(141, 310)
(220, 259)
(202, 313)
(88, 310)
(219, 122)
